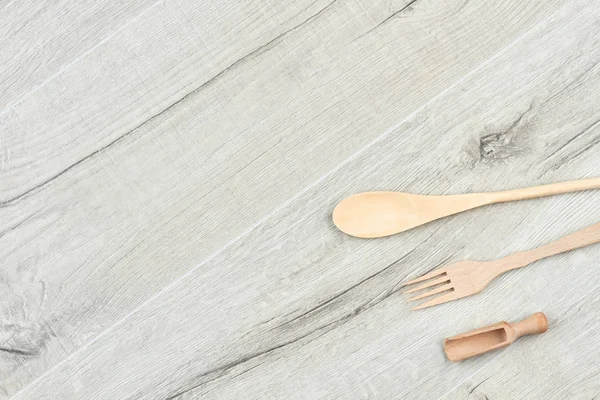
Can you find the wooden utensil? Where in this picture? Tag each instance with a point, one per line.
(493, 337)
(378, 214)
(469, 277)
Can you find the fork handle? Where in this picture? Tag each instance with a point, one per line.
(579, 239)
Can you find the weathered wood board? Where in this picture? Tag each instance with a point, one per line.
(166, 187)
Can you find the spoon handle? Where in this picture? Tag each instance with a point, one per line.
(544, 190)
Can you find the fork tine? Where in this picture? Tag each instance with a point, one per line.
(432, 292)
(443, 279)
(430, 275)
(439, 300)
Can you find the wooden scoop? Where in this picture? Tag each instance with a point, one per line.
(493, 337)
(378, 214)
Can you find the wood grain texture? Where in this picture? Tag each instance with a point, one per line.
(110, 196)
(39, 40)
(172, 238)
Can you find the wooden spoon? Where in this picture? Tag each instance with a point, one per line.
(378, 214)
(492, 337)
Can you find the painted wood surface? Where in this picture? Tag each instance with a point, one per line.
(166, 193)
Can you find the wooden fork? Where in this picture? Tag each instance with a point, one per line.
(469, 277)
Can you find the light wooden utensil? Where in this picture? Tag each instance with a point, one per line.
(378, 214)
(493, 337)
(469, 277)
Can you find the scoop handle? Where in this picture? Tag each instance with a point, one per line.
(532, 325)
(544, 190)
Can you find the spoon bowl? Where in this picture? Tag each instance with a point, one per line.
(379, 214)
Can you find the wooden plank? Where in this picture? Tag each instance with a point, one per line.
(102, 229)
(138, 75)
(295, 308)
(39, 40)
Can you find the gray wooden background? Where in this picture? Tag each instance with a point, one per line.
(168, 171)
